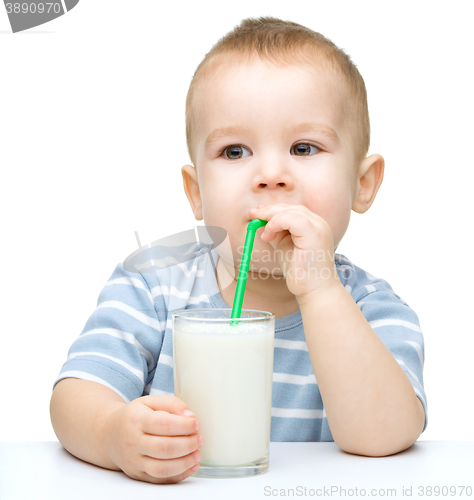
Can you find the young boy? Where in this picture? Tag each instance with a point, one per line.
(277, 129)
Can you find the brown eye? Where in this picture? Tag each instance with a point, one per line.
(304, 149)
(234, 152)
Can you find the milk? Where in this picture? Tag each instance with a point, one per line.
(224, 374)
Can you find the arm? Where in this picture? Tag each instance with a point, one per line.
(370, 403)
(79, 410)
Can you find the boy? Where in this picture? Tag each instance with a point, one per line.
(277, 129)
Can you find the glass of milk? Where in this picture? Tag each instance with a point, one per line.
(224, 374)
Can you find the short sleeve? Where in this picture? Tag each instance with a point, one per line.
(121, 341)
(397, 325)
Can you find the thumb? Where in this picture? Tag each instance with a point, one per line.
(170, 404)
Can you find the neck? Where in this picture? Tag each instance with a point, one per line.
(266, 288)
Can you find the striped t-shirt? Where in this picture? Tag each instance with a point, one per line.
(127, 346)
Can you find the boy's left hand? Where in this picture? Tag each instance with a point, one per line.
(304, 245)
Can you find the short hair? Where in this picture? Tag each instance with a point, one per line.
(286, 43)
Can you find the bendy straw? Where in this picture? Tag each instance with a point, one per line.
(244, 268)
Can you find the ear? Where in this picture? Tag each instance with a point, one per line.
(191, 188)
(369, 179)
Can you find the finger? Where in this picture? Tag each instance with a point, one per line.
(263, 212)
(266, 212)
(162, 423)
(292, 221)
(168, 447)
(170, 468)
(168, 480)
(290, 226)
(171, 404)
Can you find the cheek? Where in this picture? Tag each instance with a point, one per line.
(213, 204)
(340, 221)
(334, 206)
(220, 209)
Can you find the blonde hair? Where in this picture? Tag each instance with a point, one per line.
(285, 43)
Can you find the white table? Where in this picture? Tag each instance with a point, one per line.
(46, 471)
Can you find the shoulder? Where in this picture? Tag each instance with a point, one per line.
(361, 283)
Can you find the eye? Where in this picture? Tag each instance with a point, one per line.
(304, 149)
(234, 152)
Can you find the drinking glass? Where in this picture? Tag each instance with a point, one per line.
(224, 373)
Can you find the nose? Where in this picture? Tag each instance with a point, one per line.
(273, 175)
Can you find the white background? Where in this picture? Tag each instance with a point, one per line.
(92, 140)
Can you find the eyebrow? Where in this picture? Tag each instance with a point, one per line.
(313, 127)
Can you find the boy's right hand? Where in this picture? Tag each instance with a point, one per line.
(154, 439)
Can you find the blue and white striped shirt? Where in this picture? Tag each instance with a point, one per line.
(126, 343)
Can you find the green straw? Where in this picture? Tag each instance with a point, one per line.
(244, 268)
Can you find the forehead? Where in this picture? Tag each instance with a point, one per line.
(238, 92)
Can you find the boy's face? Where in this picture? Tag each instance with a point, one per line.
(278, 151)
